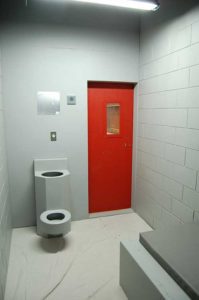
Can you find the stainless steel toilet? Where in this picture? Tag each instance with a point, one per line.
(52, 191)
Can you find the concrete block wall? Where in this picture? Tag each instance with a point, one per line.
(5, 215)
(167, 180)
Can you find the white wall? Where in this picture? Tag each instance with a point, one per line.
(5, 215)
(56, 58)
(167, 182)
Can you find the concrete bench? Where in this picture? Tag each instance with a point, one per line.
(142, 278)
(176, 249)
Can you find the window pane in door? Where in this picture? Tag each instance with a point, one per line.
(113, 118)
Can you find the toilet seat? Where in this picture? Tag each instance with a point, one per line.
(45, 216)
(55, 222)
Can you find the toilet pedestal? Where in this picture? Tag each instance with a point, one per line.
(52, 191)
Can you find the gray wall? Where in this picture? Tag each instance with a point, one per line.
(5, 215)
(167, 181)
(57, 58)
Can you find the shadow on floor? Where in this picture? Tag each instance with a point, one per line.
(52, 245)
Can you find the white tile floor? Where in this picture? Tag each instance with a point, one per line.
(83, 265)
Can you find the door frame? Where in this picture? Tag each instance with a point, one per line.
(134, 134)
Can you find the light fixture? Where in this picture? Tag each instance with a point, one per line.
(134, 4)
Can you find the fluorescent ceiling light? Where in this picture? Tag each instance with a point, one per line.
(135, 4)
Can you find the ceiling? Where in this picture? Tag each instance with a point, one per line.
(70, 13)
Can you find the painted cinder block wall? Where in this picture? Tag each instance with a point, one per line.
(167, 174)
(5, 214)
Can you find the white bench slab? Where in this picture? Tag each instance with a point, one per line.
(142, 278)
(176, 249)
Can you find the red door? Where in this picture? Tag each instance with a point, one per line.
(110, 130)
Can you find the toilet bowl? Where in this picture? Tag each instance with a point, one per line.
(52, 191)
(55, 222)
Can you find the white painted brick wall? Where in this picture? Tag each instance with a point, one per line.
(197, 186)
(156, 132)
(5, 217)
(194, 76)
(192, 159)
(184, 175)
(166, 219)
(182, 38)
(169, 169)
(188, 138)
(193, 118)
(170, 186)
(195, 30)
(151, 146)
(148, 208)
(165, 82)
(175, 154)
(188, 97)
(196, 217)
(183, 212)
(168, 117)
(159, 100)
(191, 198)
(158, 196)
(168, 130)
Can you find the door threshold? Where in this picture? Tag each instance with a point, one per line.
(111, 213)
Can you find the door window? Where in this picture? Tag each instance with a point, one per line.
(113, 118)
